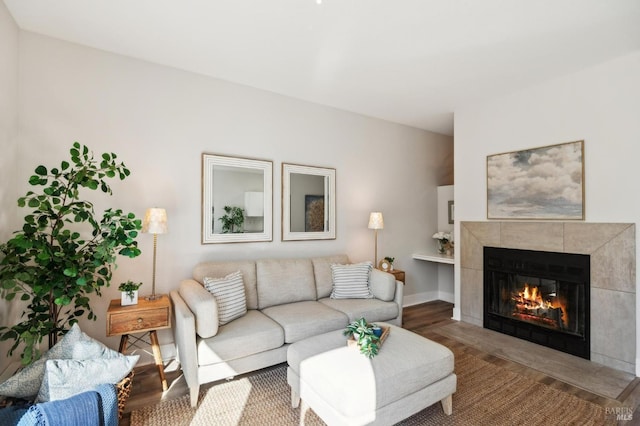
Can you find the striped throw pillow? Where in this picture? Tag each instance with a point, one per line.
(351, 281)
(229, 295)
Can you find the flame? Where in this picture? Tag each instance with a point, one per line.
(530, 299)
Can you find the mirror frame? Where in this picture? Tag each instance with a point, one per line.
(209, 161)
(330, 197)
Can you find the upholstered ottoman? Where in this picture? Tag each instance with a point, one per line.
(344, 387)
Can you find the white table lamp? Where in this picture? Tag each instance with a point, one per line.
(376, 222)
(155, 222)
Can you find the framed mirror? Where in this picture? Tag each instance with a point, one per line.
(308, 203)
(237, 199)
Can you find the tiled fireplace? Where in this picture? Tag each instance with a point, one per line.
(609, 249)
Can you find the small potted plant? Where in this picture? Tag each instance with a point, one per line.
(366, 336)
(129, 295)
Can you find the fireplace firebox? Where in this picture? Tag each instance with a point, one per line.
(539, 296)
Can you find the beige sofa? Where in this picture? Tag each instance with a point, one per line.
(287, 301)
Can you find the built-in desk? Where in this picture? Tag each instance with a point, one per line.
(445, 273)
(434, 257)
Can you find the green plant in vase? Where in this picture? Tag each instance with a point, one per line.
(64, 251)
(365, 336)
(129, 288)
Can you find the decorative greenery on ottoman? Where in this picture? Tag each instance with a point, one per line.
(366, 335)
(64, 252)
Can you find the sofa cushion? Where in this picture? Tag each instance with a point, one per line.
(247, 335)
(382, 285)
(229, 294)
(371, 309)
(351, 281)
(222, 269)
(303, 319)
(284, 281)
(322, 272)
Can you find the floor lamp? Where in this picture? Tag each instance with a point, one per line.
(376, 222)
(155, 222)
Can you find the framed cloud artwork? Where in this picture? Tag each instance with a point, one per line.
(538, 183)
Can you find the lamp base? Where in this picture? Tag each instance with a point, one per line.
(153, 297)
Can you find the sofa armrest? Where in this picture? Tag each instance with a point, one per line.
(184, 335)
(382, 285)
(399, 300)
(203, 305)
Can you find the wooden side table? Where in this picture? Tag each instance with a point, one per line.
(147, 316)
(398, 274)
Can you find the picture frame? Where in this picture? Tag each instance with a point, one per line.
(545, 183)
(451, 212)
(231, 182)
(298, 182)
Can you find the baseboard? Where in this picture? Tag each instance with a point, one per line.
(446, 296)
(457, 314)
(418, 298)
(427, 296)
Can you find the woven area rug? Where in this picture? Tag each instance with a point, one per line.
(487, 394)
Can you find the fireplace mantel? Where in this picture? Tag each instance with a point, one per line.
(612, 251)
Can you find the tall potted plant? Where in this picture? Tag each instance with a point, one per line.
(64, 252)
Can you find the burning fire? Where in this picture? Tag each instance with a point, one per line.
(531, 305)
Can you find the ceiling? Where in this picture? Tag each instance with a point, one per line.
(412, 62)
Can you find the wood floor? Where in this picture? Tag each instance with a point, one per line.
(424, 319)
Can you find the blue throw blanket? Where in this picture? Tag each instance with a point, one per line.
(98, 407)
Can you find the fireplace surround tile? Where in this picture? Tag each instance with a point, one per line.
(613, 340)
(613, 275)
(613, 264)
(472, 242)
(586, 238)
(525, 235)
(471, 299)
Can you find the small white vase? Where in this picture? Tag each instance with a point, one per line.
(126, 300)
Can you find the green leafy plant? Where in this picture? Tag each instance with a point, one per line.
(233, 220)
(389, 259)
(129, 287)
(64, 252)
(364, 335)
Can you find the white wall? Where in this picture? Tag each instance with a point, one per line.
(600, 105)
(9, 169)
(445, 271)
(159, 120)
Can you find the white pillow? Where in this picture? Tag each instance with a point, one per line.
(26, 382)
(230, 296)
(64, 378)
(351, 281)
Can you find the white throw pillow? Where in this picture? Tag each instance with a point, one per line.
(26, 382)
(64, 378)
(351, 281)
(230, 296)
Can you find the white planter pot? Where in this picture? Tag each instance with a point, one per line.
(126, 300)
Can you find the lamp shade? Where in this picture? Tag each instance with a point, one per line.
(155, 221)
(376, 221)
